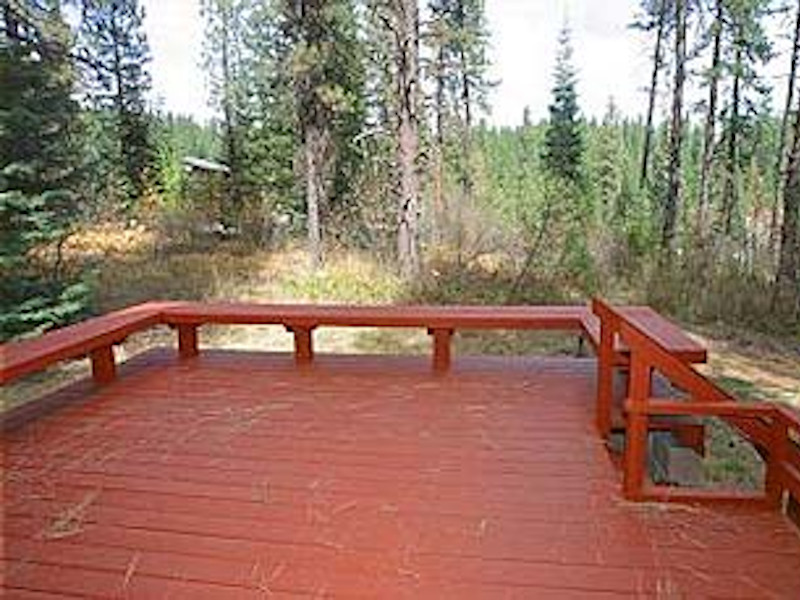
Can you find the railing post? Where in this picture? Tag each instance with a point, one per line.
(605, 376)
(441, 349)
(303, 344)
(104, 368)
(635, 462)
(187, 340)
(778, 454)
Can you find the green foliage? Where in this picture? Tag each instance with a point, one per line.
(178, 137)
(564, 145)
(37, 177)
(246, 54)
(328, 78)
(115, 54)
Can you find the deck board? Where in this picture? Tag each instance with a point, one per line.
(238, 475)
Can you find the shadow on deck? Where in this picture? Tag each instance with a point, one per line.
(240, 475)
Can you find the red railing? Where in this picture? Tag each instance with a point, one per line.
(773, 430)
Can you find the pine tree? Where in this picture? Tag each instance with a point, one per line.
(266, 114)
(672, 199)
(747, 49)
(400, 19)
(656, 18)
(223, 53)
(709, 138)
(115, 54)
(38, 173)
(327, 77)
(563, 142)
(787, 281)
(458, 36)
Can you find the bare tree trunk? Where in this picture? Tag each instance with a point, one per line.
(671, 205)
(710, 126)
(314, 118)
(730, 195)
(787, 288)
(439, 209)
(782, 155)
(315, 193)
(651, 106)
(466, 138)
(406, 30)
(229, 118)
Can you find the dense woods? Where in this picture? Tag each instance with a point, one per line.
(364, 123)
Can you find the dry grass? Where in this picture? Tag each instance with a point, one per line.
(133, 265)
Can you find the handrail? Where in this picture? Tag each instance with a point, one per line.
(775, 430)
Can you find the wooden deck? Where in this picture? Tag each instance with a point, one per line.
(240, 475)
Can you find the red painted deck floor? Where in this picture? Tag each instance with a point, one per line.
(236, 475)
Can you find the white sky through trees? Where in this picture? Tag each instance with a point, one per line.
(611, 59)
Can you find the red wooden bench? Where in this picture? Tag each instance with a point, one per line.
(96, 337)
(773, 430)
(440, 321)
(614, 355)
(660, 328)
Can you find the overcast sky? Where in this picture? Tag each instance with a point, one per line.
(611, 59)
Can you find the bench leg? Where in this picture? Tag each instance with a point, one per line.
(303, 344)
(605, 381)
(104, 368)
(691, 435)
(187, 341)
(441, 349)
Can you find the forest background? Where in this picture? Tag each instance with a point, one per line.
(360, 127)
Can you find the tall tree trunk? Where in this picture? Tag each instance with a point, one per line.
(730, 196)
(651, 105)
(229, 125)
(710, 125)
(782, 157)
(787, 289)
(466, 136)
(406, 29)
(672, 203)
(314, 118)
(439, 209)
(313, 150)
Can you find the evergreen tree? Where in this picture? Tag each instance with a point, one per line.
(563, 141)
(115, 55)
(224, 57)
(266, 113)
(458, 37)
(328, 80)
(38, 174)
(746, 49)
(655, 17)
(402, 20)
(673, 193)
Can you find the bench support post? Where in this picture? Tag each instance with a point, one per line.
(635, 460)
(773, 484)
(104, 368)
(187, 341)
(441, 349)
(303, 344)
(605, 377)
